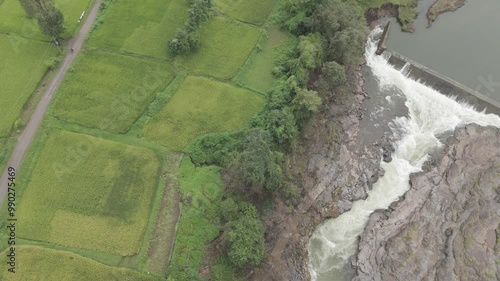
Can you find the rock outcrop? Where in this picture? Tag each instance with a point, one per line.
(447, 225)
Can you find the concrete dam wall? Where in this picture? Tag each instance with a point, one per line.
(443, 84)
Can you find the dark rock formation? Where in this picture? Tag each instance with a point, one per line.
(447, 226)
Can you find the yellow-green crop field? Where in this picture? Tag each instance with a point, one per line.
(94, 183)
(110, 91)
(140, 27)
(42, 264)
(89, 193)
(255, 11)
(201, 105)
(22, 65)
(225, 45)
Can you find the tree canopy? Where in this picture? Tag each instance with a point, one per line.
(245, 238)
(49, 18)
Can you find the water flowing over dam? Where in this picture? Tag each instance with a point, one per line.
(430, 115)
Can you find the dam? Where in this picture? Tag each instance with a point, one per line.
(441, 83)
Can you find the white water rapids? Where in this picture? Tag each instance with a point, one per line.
(430, 114)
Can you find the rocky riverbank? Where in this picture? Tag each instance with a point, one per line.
(374, 16)
(447, 225)
(333, 166)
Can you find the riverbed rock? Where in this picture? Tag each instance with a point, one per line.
(448, 225)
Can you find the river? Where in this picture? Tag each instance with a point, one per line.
(463, 45)
(430, 115)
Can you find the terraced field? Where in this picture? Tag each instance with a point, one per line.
(21, 67)
(110, 91)
(225, 45)
(96, 179)
(145, 31)
(89, 193)
(255, 12)
(41, 264)
(200, 106)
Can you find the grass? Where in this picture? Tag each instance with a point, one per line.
(15, 21)
(40, 264)
(6, 146)
(225, 46)
(164, 232)
(110, 91)
(23, 64)
(255, 11)
(140, 27)
(201, 191)
(257, 71)
(89, 193)
(406, 16)
(201, 106)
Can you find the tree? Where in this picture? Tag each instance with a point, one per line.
(187, 39)
(312, 51)
(306, 102)
(282, 126)
(49, 18)
(343, 27)
(332, 76)
(29, 8)
(197, 14)
(184, 42)
(51, 22)
(257, 164)
(245, 238)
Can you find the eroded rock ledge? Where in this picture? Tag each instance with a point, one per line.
(447, 226)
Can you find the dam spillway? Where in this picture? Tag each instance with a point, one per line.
(442, 83)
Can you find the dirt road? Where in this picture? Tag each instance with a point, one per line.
(26, 137)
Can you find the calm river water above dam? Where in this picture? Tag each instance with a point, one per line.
(463, 45)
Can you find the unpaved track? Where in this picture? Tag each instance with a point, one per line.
(26, 137)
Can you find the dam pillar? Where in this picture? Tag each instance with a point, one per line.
(381, 44)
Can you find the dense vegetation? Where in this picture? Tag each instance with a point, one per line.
(187, 39)
(331, 36)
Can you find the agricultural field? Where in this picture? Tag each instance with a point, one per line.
(104, 180)
(22, 64)
(257, 71)
(225, 46)
(42, 264)
(15, 21)
(146, 31)
(200, 221)
(110, 91)
(254, 12)
(90, 193)
(201, 105)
